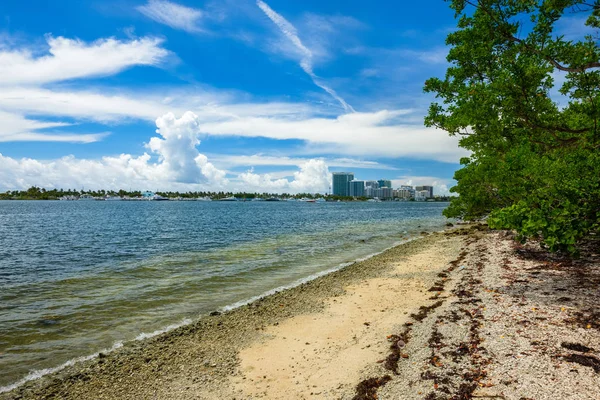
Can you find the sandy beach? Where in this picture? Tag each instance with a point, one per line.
(455, 315)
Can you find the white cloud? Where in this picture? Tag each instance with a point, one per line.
(179, 160)
(16, 128)
(371, 134)
(108, 107)
(382, 133)
(304, 54)
(312, 177)
(75, 59)
(179, 164)
(174, 15)
(264, 160)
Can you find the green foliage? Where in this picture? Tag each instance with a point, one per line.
(534, 164)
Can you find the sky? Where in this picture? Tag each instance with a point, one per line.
(235, 95)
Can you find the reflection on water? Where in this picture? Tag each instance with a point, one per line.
(78, 277)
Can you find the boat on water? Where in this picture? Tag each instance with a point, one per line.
(68, 198)
(307, 200)
(158, 197)
(273, 199)
(86, 197)
(113, 198)
(232, 198)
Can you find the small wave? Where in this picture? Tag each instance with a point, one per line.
(142, 336)
(311, 277)
(36, 374)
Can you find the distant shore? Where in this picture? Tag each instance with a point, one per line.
(461, 311)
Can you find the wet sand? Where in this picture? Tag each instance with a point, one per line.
(462, 314)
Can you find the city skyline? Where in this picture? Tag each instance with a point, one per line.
(344, 184)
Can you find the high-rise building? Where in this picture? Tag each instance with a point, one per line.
(427, 188)
(357, 188)
(384, 183)
(341, 182)
(373, 184)
(384, 193)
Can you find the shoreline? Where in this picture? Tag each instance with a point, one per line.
(137, 346)
(74, 362)
(466, 313)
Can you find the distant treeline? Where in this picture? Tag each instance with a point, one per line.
(36, 193)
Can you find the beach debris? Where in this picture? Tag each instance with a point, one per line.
(586, 361)
(367, 389)
(425, 310)
(214, 313)
(576, 347)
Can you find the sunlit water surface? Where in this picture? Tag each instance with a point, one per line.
(78, 277)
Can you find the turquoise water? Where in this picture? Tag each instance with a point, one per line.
(79, 277)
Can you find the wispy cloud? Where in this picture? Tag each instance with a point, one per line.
(257, 160)
(375, 134)
(174, 15)
(306, 56)
(16, 128)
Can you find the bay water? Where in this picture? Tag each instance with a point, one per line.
(79, 277)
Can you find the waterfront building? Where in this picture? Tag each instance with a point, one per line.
(387, 193)
(429, 189)
(341, 183)
(373, 184)
(357, 188)
(405, 193)
(384, 193)
(384, 183)
(421, 195)
(370, 191)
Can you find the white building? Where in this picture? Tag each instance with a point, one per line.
(421, 195)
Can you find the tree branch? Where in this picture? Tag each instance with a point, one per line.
(512, 38)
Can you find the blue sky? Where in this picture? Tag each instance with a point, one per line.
(240, 95)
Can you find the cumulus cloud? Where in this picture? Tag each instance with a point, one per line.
(73, 59)
(304, 54)
(174, 15)
(441, 186)
(179, 164)
(312, 177)
(179, 159)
